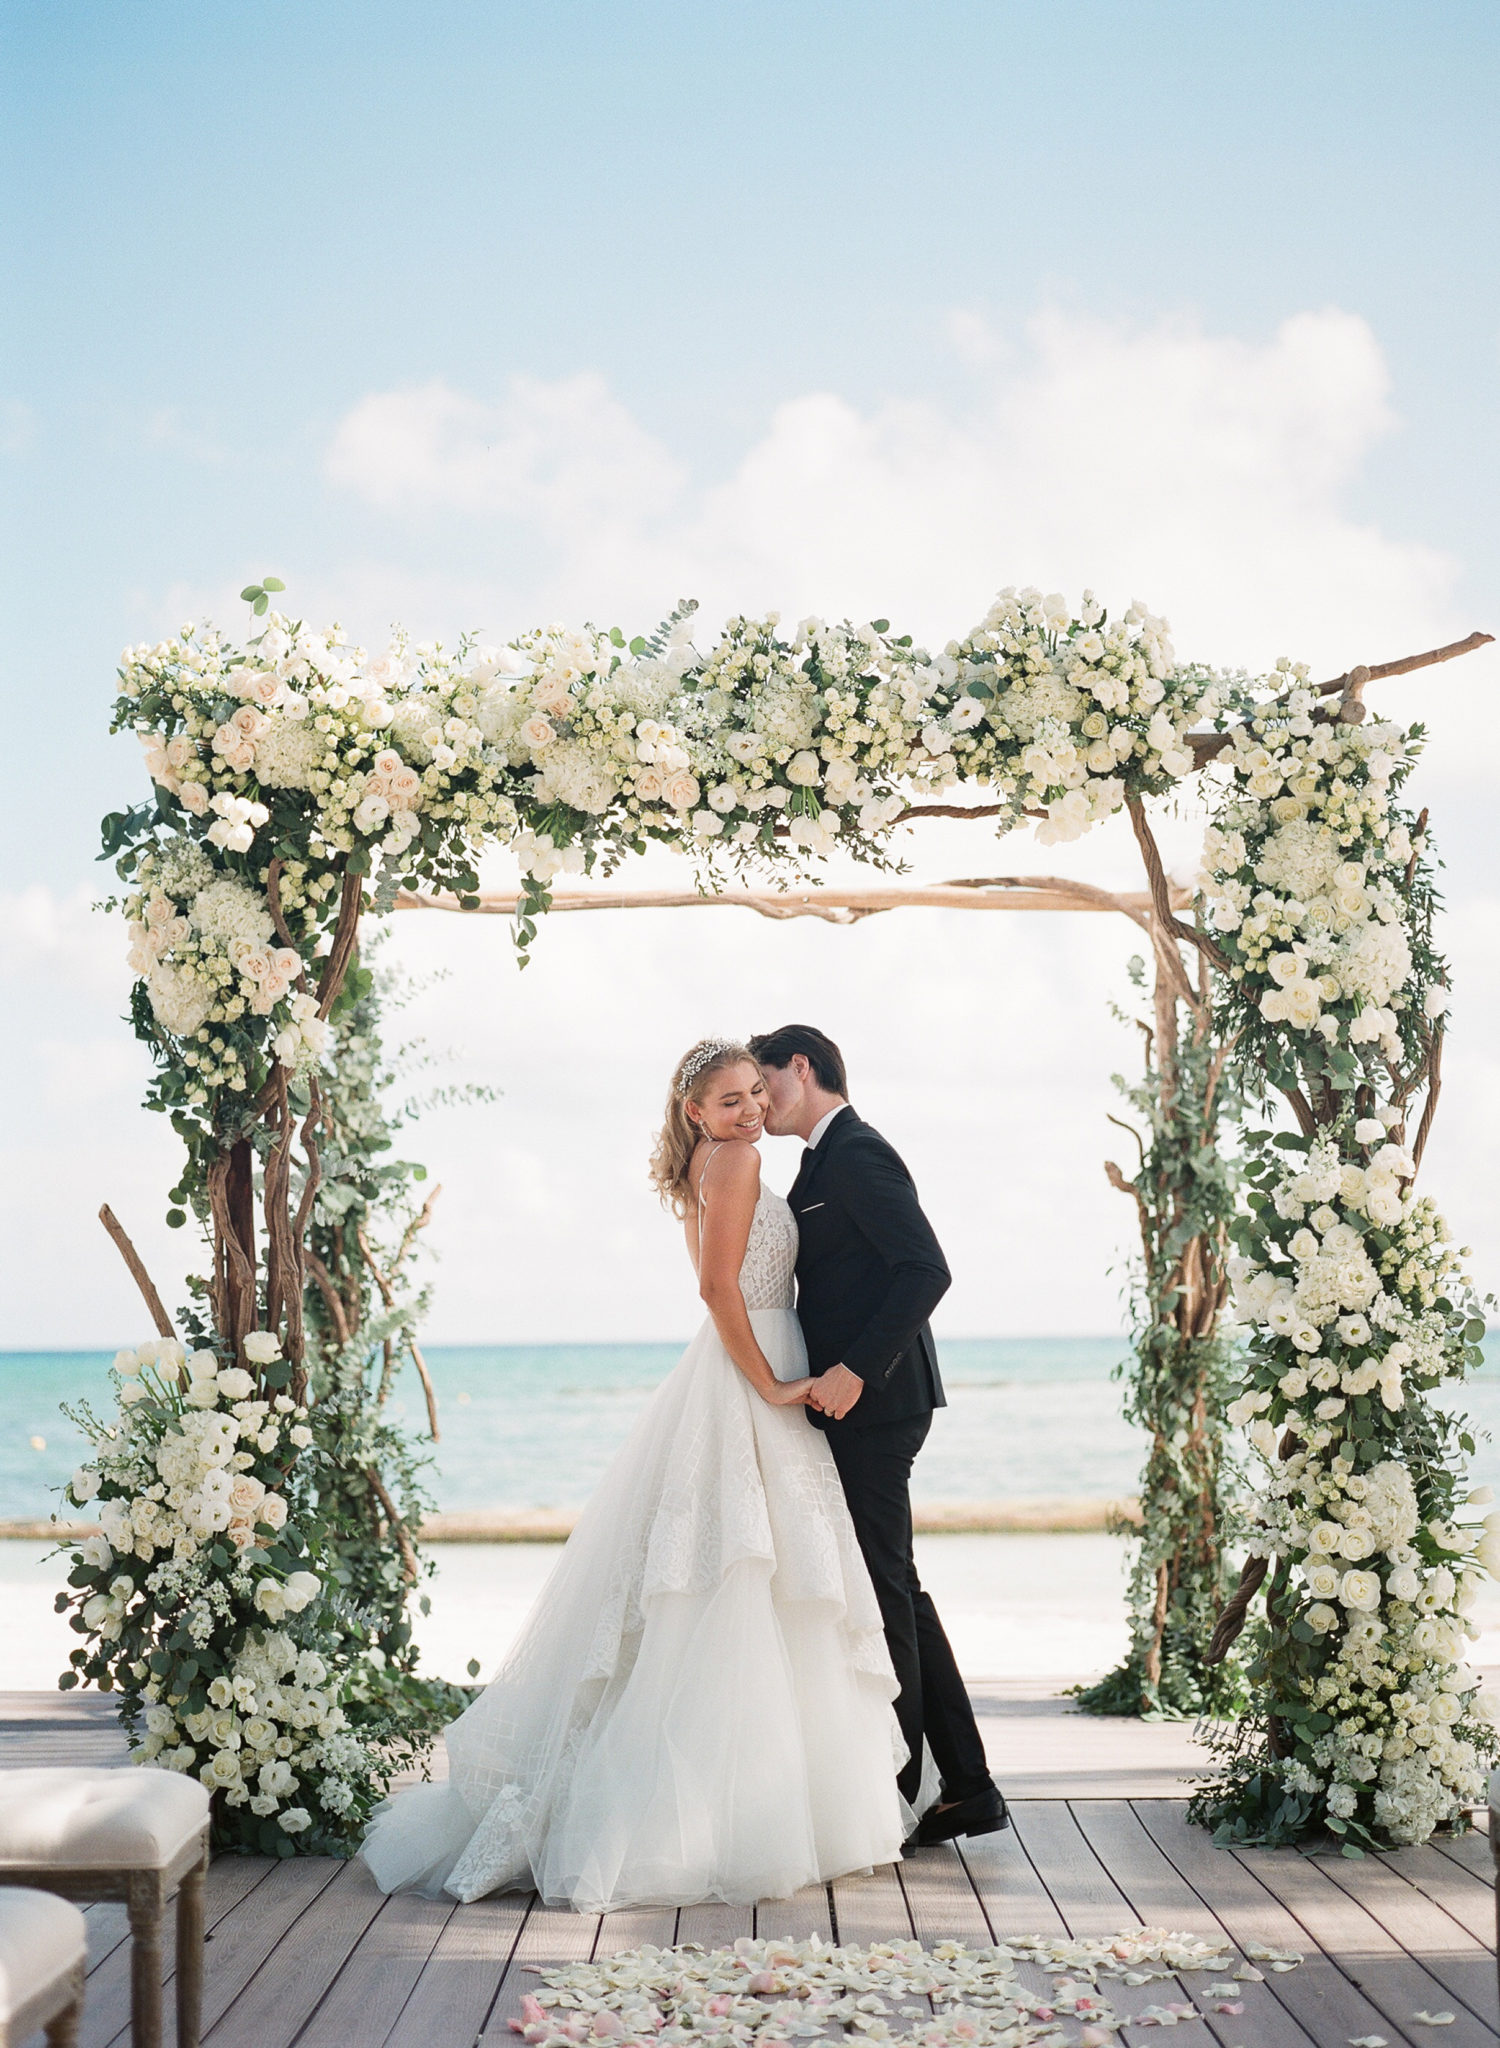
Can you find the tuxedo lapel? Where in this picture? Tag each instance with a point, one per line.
(807, 1173)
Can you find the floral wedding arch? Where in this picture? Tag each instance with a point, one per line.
(300, 783)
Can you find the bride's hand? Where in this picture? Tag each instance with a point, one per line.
(790, 1393)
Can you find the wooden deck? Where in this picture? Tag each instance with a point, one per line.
(308, 1952)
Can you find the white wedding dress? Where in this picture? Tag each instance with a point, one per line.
(699, 1704)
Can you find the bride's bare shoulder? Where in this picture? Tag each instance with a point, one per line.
(733, 1166)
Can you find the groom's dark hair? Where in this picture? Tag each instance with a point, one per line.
(778, 1048)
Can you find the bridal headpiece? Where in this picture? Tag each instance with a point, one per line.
(706, 1054)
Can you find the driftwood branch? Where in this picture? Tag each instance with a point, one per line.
(138, 1271)
(323, 1280)
(411, 1571)
(834, 905)
(1167, 921)
(388, 1296)
(1434, 1085)
(1349, 687)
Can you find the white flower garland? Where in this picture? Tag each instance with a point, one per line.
(1350, 1285)
(185, 1587)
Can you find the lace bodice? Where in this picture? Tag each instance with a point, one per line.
(768, 1269)
(770, 1261)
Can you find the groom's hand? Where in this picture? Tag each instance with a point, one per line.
(835, 1392)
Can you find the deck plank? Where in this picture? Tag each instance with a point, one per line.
(715, 1925)
(551, 1937)
(642, 1927)
(798, 1918)
(456, 1990)
(941, 1897)
(292, 1982)
(370, 1992)
(1470, 1899)
(1092, 1905)
(1464, 1966)
(1162, 1897)
(1394, 1981)
(1079, 1886)
(1470, 1852)
(243, 1918)
(871, 1908)
(1319, 1996)
(1014, 1899)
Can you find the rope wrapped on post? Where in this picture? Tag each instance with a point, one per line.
(1232, 1620)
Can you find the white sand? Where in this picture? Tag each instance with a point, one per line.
(1015, 1606)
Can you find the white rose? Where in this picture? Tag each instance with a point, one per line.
(301, 1588)
(536, 733)
(1403, 1583)
(707, 824)
(272, 1511)
(804, 769)
(262, 1347)
(681, 790)
(84, 1484)
(1435, 1002)
(1322, 1580)
(1361, 1591)
(1369, 1131)
(1356, 1543)
(235, 1384)
(295, 1819)
(245, 1493)
(1323, 1618)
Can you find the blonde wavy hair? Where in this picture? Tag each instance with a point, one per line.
(678, 1137)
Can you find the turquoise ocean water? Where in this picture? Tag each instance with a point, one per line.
(533, 1425)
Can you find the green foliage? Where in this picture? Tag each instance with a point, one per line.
(1178, 1384)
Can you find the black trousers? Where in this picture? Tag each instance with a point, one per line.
(875, 1465)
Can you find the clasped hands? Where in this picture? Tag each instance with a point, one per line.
(835, 1392)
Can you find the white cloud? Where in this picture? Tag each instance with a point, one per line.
(564, 453)
(1205, 473)
(1214, 477)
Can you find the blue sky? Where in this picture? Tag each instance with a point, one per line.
(304, 288)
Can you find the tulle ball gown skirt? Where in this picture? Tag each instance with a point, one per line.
(699, 1704)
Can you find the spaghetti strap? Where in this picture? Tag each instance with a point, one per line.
(718, 1146)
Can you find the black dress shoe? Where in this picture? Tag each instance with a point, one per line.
(982, 1814)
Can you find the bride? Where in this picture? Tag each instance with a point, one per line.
(699, 1704)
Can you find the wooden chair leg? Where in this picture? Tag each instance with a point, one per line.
(190, 1955)
(62, 2029)
(144, 1905)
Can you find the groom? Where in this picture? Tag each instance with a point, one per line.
(869, 1273)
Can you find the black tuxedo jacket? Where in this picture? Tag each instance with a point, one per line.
(869, 1274)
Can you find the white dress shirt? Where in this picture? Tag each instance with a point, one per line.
(821, 1126)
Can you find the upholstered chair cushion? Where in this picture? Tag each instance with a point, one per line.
(98, 1818)
(42, 1939)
